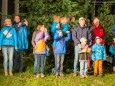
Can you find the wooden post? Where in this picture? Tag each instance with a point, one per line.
(16, 7)
(4, 11)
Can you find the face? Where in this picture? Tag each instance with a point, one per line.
(114, 39)
(82, 22)
(17, 19)
(98, 41)
(96, 21)
(84, 42)
(42, 28)
(8, 22)
(58, 26)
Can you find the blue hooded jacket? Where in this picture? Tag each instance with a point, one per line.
(112, 49)
(54, 29)
(61, 43)
(22, 36)
(8, 36)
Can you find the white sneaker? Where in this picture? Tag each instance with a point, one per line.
(42, 75)
(38, 76)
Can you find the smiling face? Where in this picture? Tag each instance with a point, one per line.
(8, 22)
(17, 19)
(98, 40)
(82, 22)
(96, 22)
(114, 39)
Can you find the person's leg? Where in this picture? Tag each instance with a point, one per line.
(61, 64)
(82, 69)
(76, 60)
(10, 53)
(42, 64)
(114, 63)
(57, 63)
(5, 55)
(38, 65)
(100, 67)
(96, 64)
(16, 61)
(35, 63)
(86, 68)
(21, 61)
(89, 56)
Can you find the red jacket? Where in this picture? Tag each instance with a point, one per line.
(98, 31)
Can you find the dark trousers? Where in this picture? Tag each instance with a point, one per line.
(113, 61)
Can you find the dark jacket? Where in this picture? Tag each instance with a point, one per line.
(79, 32)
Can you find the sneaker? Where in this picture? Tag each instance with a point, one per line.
(6, 73)
(74, 74)
(82, 76)
(95, 74)
(37, 75)
(85, 76)
(61, 74)
(10, 73)
(57, 74)
(100, 74)
(42, 75)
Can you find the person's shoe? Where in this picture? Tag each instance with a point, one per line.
(10, 73)
(82, 76)
(100, 74)
(37, 75)
(85, 76)
(57, 74)
(95, 74)
(61, 74)
(6, 73)
(42, 75)
(113, 69)
(75, 74)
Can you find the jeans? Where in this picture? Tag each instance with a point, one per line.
(39, 59)
(59, 62)
(76, 59)
(18, 61)
(83, 67)
(113, 61)
(8, 56)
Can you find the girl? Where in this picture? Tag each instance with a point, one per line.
(8, 41)
(38, 41)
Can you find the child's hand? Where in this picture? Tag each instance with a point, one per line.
(89, 50)
(35, 47)
(60, 34)
(56, 18)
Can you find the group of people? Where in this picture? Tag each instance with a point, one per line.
(88, 43)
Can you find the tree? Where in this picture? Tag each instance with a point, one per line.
(16, 7)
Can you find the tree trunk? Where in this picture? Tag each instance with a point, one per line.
(4, 10)
(16, 7)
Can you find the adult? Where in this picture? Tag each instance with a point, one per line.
(79, 32)
(8, 41)
(97, 30)
(22, 31)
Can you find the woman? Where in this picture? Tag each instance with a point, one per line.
(8, 41)
(38, 41)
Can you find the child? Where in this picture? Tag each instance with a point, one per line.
(38, 41)
(98, 56)
(60, 51)
(112, 51)
(83, 57)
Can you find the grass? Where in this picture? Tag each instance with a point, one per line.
(28, 79)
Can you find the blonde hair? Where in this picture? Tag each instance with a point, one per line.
(83, 39)
(7, 20)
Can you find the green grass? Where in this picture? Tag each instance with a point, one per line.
(28, 79)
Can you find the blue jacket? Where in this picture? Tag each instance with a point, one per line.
(61, 43)
(54, 29)
(98, 52)
(22, 36)
(8, 36)
(112, 49)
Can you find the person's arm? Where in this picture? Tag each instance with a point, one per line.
(57, 36)
(68, 36)
(93, 53)
(1, 38)
(104, 53)
(33, 37)
(89, 38)
(15, 38)
(53, 27)
(46, 35)
(74, 37)
(65, 27)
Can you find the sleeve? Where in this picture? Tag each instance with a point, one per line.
(46, 36)
(104, 53)
(74, 36)
(93, 53)
(79, 49)
(68, 36)
(33, 37)
(65, 27)
(1, 37)
(57, 37)
(15, 38)
(111, 50)
(89, 38)
(53, 27)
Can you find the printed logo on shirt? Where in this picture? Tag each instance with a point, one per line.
(7, 34)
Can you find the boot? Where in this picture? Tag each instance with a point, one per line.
(10, 73)
(6, 73)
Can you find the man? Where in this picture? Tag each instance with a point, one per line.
(80, 31)
(21, 27)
